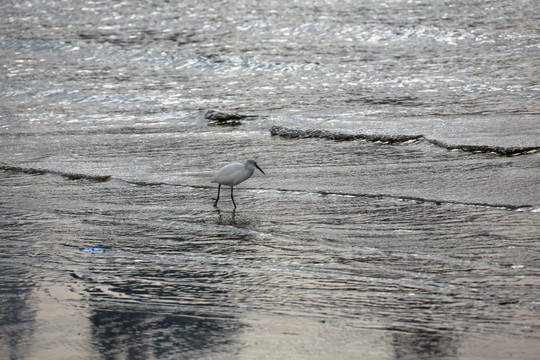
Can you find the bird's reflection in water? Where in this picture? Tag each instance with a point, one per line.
(234, 218)
(225, 218)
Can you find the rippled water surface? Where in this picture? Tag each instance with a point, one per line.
(398, 217)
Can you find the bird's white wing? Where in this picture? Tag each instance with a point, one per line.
(229, 174)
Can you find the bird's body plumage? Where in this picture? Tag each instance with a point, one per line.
(233, 174)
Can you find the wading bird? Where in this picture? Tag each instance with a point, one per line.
(234, 174)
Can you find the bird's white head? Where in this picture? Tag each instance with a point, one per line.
(252, 164)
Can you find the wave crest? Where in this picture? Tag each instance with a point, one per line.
(69, 176)
(329, 135)
(396, 139)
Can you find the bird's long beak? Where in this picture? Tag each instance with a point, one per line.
(257, 166)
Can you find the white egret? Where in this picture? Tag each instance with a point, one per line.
(234, 174)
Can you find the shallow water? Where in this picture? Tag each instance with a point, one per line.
(398, 217)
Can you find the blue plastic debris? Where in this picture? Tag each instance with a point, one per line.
(95, 250)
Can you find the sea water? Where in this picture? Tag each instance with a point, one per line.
(399, 214)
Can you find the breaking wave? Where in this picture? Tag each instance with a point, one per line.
(397, 139)
(500, 150)
(69, 176)
(330, 135)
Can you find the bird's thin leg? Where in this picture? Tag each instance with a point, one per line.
(218, 189)
(232, 197)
